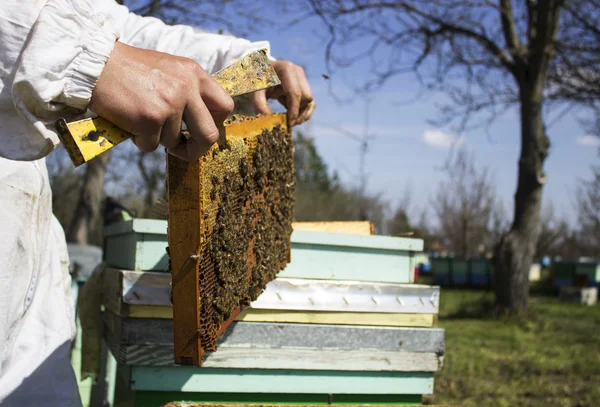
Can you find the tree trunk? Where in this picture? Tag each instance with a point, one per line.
(88, 210)
(514, 253)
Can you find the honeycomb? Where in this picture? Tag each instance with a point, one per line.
(246, 205)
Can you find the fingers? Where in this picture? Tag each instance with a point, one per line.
(307, 104)
(259, 100)
(170, 136)
(203, 131)
(294, 92)
(207, 108)
(217, 100)
(146, 143)
(306, 113)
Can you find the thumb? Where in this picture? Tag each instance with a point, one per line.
(259, 100)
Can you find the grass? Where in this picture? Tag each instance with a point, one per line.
(553, 359)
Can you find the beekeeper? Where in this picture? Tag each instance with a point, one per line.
(59, 58)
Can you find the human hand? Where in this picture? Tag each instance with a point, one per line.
(294, 93)
(149, 93)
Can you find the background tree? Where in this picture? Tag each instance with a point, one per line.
(464, 205)
(320, 196)
(588, 211)
(65, 182)
(403, 223)
(487, 56)
(576, 73)
(400, 223)
(553, 232)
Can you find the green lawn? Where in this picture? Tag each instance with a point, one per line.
(551, 360)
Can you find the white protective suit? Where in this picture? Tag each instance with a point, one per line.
(51, 55)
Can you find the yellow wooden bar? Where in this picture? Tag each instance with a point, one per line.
(301, 317)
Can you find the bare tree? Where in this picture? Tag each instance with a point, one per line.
(464, 205)
(588, 208)
(553, 232)
(487, 56)
(576, 73)
(400, 224)
(88, 212)
(65, 182)
(499, 224)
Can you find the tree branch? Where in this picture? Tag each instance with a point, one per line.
(444, 27)
(509, 28)
(542, 45)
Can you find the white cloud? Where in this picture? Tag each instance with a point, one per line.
(588, 140)
(439, 139)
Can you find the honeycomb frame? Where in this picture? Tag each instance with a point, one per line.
(229, 228)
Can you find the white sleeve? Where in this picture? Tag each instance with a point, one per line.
(212, 51)
(60, 63)
(71, 42)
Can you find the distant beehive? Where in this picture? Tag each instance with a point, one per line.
(230, 222)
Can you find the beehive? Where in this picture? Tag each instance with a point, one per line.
(229, 228)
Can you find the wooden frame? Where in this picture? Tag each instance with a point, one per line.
(194, 210)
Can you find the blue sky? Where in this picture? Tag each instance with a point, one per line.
(407, 152)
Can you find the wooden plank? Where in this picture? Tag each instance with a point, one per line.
(255, 356)
(341, 318)
(183, 188)
(112, 291)
(282, 359)
(190, 379)
(298, 317)
(352, 228)
(138, 331)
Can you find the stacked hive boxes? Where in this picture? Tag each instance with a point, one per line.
(343, 323)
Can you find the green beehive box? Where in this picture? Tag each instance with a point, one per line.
(563, 270)
(461, 272)
(140, 245)
(569, 273)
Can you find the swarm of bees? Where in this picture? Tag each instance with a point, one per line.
(250, 239)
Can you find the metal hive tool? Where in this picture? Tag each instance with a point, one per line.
(229, 228)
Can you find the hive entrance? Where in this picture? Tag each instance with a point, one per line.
(230, 216)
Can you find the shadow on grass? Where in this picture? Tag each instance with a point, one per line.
(480, 307)
(468, 305)
(543, 288)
